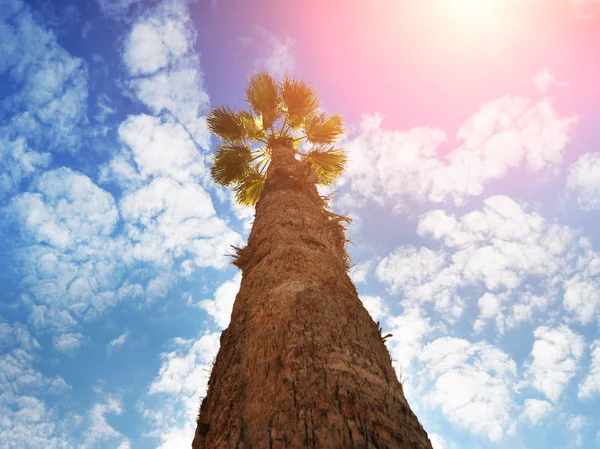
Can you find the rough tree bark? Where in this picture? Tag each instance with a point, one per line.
(302, 364)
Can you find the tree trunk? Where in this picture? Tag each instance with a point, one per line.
(302, 364)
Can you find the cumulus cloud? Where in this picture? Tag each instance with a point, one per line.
(409, 331)
(358, 273)
(535, 410)
(162, 148)
(583, 181)
(473, 384)
(590, 386)
(504, 134)
(493, 251)
(556, 353)
(220, 307)
(165, 70)
(181, 381)
(46, 105)
(375, 306)
(68, 343)
(28, 419)
(98, 428)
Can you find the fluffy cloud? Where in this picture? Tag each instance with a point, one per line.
(556, 353)
(220, 307)
(409, 331)
(162, 148)
(182, 380)
(534, 410)
(492, 252)
(375, 306)
(165, 70)
(503, 135)
(591, 384)
(47, 101)
(99, 431)
(358, 273)
(68, 342)
(583, 182)
(473, 384)
(66, 210)
(27, 418)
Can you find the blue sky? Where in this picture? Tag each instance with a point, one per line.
(473, 182)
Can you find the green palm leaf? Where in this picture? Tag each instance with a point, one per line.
(327, 164)
(299, 101)
(324, 129)
(226, 124)
(249, 188)
(263, 96)
(230, 163)
(253, 127)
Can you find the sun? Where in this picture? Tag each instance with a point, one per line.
(473, 10)
(475, 16)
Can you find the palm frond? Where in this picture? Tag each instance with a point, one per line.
(230, 163)
(327, 164)
(253, 126)
(263, 96)
(324, 129)
(226, 124)
(249, 188)
(299, 101)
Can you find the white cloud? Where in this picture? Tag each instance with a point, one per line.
(437, 441)
(162, 148)
(358, 273)
(182, 380)
(68, 343)
(68, 209)
(545, 80)
(99, 431)
(492, 251)
(165, 70)
(117, 342)
(504, 134)
(556, 353)
(276, 55)
(375, 306)
(576, 424)
(168, 220)
(220, 307)
(409, 331)
(583, 181)
(590, 386)
(473, 384)
(46, 96)
(535, 410)
(27, 419)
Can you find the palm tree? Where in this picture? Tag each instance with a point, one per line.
(302, 364)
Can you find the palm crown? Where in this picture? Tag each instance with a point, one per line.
(286, 111)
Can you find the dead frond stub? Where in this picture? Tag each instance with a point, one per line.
(241, 256)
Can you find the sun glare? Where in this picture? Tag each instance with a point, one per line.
(473, 11)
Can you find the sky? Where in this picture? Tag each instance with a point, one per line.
(473, 137)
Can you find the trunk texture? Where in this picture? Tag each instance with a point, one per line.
(302, 364)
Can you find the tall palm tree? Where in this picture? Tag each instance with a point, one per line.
(302, 363)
